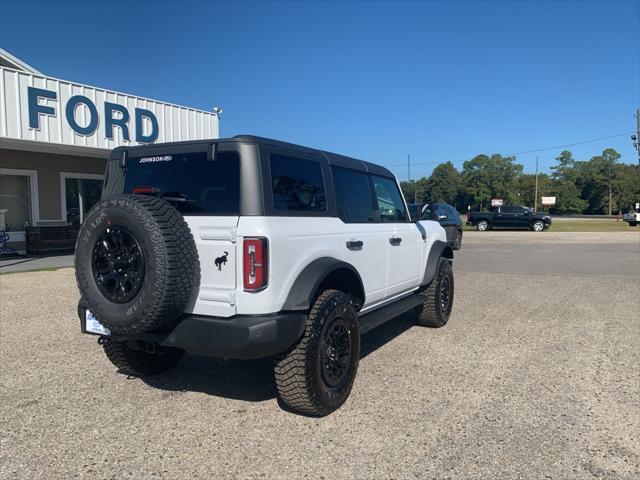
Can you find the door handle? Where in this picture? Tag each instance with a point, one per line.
(355, 244)
(395, 241)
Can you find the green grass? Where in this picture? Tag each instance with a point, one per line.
(600, 225)
(596, 225)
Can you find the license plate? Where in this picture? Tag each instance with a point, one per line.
(92, 325)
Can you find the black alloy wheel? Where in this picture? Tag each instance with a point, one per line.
(445, 293)
(336, 350)
(118, 264)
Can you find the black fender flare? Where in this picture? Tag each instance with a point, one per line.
(438, 249)
(305, 287)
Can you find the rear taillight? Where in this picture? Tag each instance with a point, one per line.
(145, 190)
(255, 254)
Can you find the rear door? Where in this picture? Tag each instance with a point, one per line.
(362, 239)
(403, 238)
(205, 188)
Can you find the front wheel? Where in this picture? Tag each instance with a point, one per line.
(438, 297)
(140, 360)
(316, 376)
(537, 226)
(482, 225)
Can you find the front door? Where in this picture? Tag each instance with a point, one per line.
(448, 223)
(403, 237)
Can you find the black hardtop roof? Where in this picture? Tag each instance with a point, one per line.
(333, 158)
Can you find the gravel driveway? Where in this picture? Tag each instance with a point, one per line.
(535, 376)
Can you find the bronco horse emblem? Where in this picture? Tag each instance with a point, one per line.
(222, 260)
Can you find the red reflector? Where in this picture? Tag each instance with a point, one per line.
(145, 190)
(255, 263)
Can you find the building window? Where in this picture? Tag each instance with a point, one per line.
(80, 195)
(15, 202)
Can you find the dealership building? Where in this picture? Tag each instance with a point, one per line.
(55, 136)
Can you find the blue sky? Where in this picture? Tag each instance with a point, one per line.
(375, 80)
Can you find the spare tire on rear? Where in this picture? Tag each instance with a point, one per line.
(136, 264)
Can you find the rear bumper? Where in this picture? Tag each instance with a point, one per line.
(239, 337)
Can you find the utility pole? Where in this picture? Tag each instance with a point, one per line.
(409, 168)
(535, 202)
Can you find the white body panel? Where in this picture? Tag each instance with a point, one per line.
(387, 271)
(215, 238)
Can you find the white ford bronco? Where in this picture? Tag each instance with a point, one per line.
(247, 247)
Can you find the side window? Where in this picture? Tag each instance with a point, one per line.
(389, 200)
(443, 210)
(428, 213)
(297, 184)
(353, 195)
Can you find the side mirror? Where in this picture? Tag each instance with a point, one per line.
(442, 217)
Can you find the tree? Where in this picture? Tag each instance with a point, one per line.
(568, 199)
(564, 170)
(625, 186)
(443, 185)
(413, 190)
(527, 188)
(491, 177)
(610, 157)
(595, 179)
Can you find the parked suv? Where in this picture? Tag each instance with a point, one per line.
(448, 217)
(249, 247)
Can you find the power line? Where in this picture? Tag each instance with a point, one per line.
(523, 152)
(570, 144)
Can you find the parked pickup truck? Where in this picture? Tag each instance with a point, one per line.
(633, 218)
(509, 217)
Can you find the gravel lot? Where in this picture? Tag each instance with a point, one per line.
(535, 376)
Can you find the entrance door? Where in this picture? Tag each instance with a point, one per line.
(81, 192)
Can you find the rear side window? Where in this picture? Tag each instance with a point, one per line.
(390, 204)
(189, 181)
(297, 184)
(353, 195)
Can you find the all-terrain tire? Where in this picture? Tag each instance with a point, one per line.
(162, 257)
(438, 297)
(302, 383)
(131, 359)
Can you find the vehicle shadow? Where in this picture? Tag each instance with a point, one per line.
(252, 380)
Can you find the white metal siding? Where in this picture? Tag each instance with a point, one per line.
(175, 123)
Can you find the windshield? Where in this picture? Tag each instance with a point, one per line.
(191, 182)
